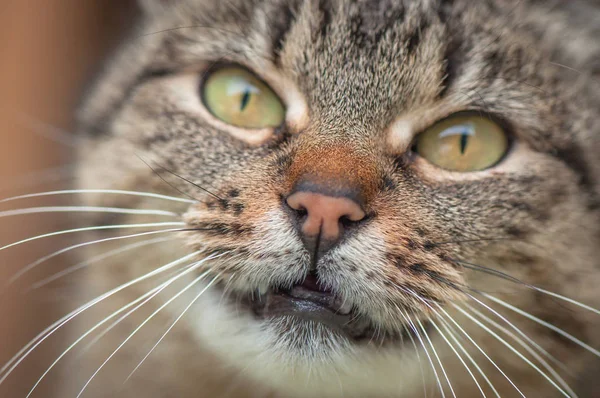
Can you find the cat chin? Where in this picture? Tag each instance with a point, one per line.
(302, 358)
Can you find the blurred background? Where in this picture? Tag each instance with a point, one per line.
(49, 51)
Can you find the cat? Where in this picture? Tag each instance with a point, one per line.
(369, 198)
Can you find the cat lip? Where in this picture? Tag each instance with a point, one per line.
(309, 301)
(306, 304)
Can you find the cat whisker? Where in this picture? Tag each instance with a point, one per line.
(226, 291)
(45, 130)
(412, 340)
(506, 276)
(46, 333)
(96, 228)
(532, 352)
(34, 264)
(480, 350)
(453, 336)
(457, 355)
(490, 271)
(171, 277)
(100, 191)
(544, 323)
(418, 334)
(146, 297)
(522, 82)
(194, 282)
(435, 244)
(173, 325)
(430, 342)
(566, 67)
(85, 209)
(567, 299)
(448, 342)
(190, 27)
(516, 329)
(96, 259)
(514, 350)
(182, 178)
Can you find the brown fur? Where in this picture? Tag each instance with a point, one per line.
(360, 66)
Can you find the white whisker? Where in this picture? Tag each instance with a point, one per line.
(410, 291)
(171, 327)
(458, 356)
(516, 329)
(98, 258)
(95, 228)
(46, 130)
(152, 293)
(431, 343)
(412, 340)
(437, 357)
(532, 352)
(195, 281)
(34, 264)
(514, 350)
(454, 338)
(145, 297)
(536, 288)
(546, 324)
(85, 209)
(481, 350)
(103, 191)
(568, 300)
(36, 341)
(418, 334)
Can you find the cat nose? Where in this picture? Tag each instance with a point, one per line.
(322, 217)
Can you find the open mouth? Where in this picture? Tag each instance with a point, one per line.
(310, 302)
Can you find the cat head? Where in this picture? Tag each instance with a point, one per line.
(359, 169)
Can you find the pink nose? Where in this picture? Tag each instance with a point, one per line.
(324, 214)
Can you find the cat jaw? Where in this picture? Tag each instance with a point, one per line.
(341, 369)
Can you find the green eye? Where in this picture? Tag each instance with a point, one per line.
(463, 143)
(237, 97)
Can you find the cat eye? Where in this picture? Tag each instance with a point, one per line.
(237, 97)
(464, 143)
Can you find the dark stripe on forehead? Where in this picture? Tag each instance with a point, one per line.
(281, 21)
(325, 16)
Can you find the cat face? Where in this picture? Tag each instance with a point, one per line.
(362, 172)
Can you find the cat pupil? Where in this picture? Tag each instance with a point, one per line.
(245, 99)
(464, 138)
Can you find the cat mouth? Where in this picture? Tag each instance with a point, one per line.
(308, 301)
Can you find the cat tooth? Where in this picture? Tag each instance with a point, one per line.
(263, 289)
(343, 306)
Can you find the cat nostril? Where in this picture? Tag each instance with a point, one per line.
(302, 212)
(346, 222)
(324, 216)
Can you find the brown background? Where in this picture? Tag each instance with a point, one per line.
(49, 49)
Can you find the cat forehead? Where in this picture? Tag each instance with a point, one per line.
(361, 63)
(352, 60)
